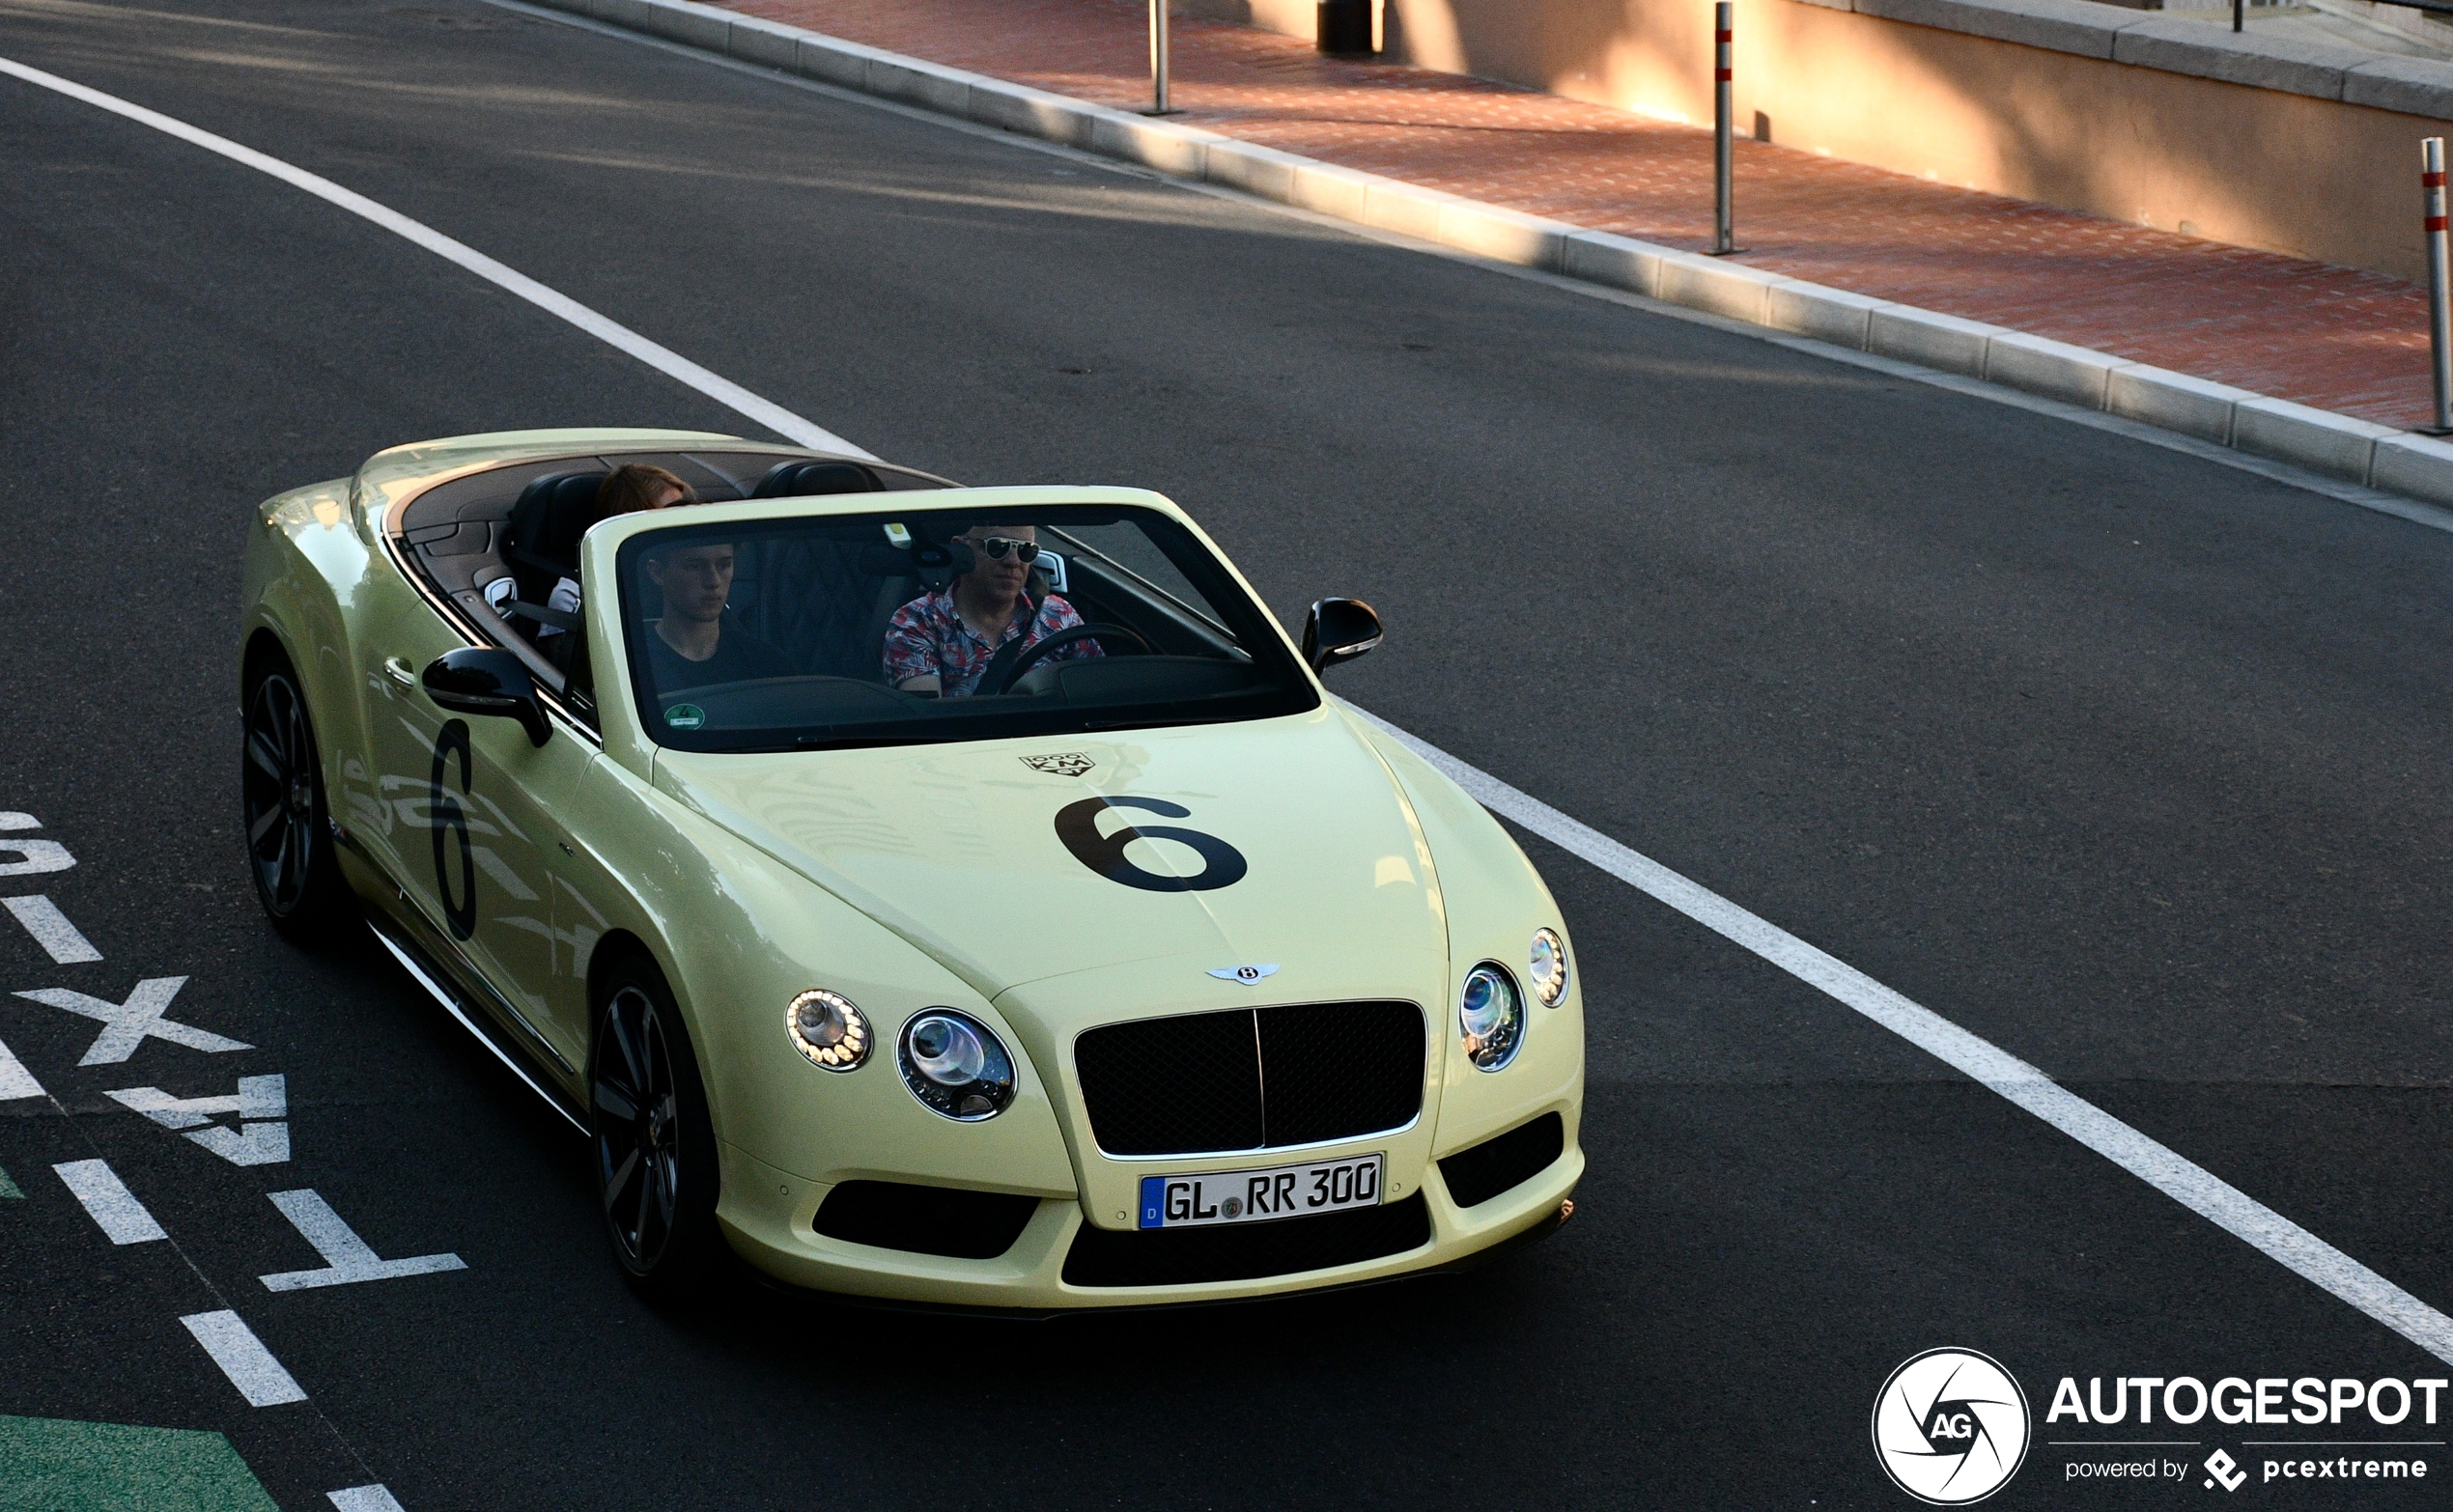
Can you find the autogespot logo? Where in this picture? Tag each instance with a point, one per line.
(1951, 1427)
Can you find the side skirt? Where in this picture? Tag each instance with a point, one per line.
(442, 985)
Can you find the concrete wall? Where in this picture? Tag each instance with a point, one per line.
(2305, 148)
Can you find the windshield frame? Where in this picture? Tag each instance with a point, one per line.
(1285, 687)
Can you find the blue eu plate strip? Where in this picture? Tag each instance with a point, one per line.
(1153, 1202)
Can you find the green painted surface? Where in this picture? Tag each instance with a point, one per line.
(7, 1188)
(50, 1464)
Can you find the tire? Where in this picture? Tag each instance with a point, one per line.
(287, 823)
(657, 1176)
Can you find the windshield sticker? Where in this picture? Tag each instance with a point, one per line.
(686, 716)
(1069, 763)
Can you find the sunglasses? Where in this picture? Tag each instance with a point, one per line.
(997, 547)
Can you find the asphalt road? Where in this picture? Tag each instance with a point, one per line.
(2130, 762)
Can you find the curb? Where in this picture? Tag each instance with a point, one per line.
(2336, 446)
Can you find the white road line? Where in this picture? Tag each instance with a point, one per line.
(2184, 1182)
(2191, 1185)
(51, 928)
(724, 391)
(347, 1258)
(364, 1499)
(108, 1200)
(16, 1082)
(243, 1358)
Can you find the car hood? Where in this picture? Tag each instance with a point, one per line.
(957, 848)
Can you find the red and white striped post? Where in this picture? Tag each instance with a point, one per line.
(2440, 311)
(1720, 242)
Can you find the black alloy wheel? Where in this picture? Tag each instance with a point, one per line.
(289, 825)
(655, 1148)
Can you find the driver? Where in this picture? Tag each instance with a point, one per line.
(692, 645)
(942, 641)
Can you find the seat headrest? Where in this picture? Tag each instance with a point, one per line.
(794, 480)
(552, 513)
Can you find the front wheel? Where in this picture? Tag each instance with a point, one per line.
(655, 1167)
(289, 822)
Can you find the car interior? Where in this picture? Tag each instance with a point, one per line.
(495, 543)
(822, 592)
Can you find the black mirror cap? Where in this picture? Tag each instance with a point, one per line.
(483, 680)
(1338, 629)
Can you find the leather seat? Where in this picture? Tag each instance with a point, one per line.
(541, 542)
(796, 480)
(816, 600)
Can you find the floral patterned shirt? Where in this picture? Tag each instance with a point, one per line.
(927, 635)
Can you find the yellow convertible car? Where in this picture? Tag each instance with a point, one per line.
(956, 896)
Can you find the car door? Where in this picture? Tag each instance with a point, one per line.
(478, 817)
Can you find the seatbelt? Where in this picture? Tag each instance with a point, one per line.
(991, 676)
(540, 613)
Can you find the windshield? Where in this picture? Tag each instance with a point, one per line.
(891, 628)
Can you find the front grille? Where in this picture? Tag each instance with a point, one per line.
(1478, 1174)
(927, 1220)
(1252, 1078)
(1246, 1251)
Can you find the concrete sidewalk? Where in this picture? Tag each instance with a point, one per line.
(2334, 338)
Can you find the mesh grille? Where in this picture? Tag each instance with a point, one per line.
(1195, 1082)
(1168, 1086)
(1246, 1251)
(1335, 1070)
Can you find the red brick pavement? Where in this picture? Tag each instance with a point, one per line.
(2333, 337)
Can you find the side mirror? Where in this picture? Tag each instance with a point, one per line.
(482, 680)
(1338, 629)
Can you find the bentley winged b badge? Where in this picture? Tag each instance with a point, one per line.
(1246, 974)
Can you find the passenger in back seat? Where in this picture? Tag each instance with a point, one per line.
(627, 489)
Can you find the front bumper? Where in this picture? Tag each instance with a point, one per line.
(767, 1216)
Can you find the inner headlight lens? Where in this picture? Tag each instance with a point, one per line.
(1492, 1016)
(1549, 968)
(827, 1028)
(956, 1065)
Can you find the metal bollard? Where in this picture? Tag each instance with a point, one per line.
(2439, 298)
(1159, 50)
(1721, 242)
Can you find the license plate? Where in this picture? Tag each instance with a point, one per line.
(1260, 1196)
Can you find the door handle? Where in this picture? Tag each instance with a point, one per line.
(400, 672)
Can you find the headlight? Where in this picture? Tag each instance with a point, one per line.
(825, 1027)
(956, 1065)
(1492, 1016)
(1549, 968)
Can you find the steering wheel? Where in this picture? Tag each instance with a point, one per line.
(1041, 650)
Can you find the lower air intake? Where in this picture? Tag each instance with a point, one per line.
(925, 1220)
(1246, 1251)
(1481, 1173)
